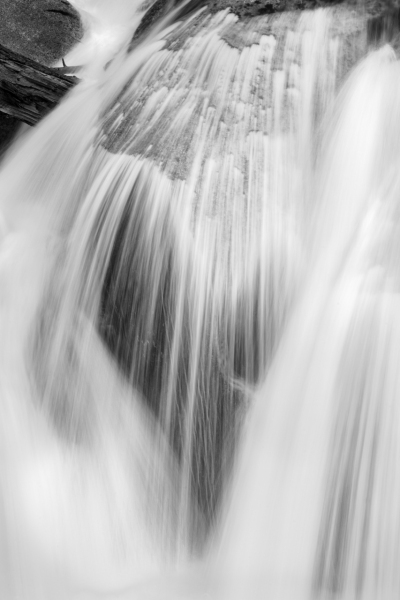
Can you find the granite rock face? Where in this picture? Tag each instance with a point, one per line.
(242, 8)
(384, 12)
(254, 7)
(250, 8)
(43, 30)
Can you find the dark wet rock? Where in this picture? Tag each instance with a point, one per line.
(383, 15)
(8, 127)
(252, 8)
(168, 10)
(384, 23)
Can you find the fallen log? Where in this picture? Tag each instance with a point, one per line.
(29, 90)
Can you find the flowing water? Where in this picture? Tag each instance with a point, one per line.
(199, 316)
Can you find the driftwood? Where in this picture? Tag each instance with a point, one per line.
(29, 90)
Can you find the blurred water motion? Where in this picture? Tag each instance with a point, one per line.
(199, 318)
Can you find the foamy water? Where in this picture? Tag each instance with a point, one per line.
(108, 26)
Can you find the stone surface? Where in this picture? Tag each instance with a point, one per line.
(251, 8)
(384, 11)
(242, 8)
(43, 30)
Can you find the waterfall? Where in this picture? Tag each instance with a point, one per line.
(198, 315)
(315, 496)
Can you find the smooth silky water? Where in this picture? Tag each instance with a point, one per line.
(199, 319)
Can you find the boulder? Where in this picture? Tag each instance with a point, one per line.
(42, 30)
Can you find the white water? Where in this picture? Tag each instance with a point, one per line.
(198, 265)
(316, 500)
(108, 26)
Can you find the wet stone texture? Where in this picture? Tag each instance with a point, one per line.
(250, 8)
(384, 15)
(241, 8)
(233, 36)
(42, 30)
(358, 25)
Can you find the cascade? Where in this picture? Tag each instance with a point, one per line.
(199, 314)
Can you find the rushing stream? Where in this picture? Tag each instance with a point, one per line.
(199, 318)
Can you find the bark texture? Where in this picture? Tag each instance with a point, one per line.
(29, 90)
